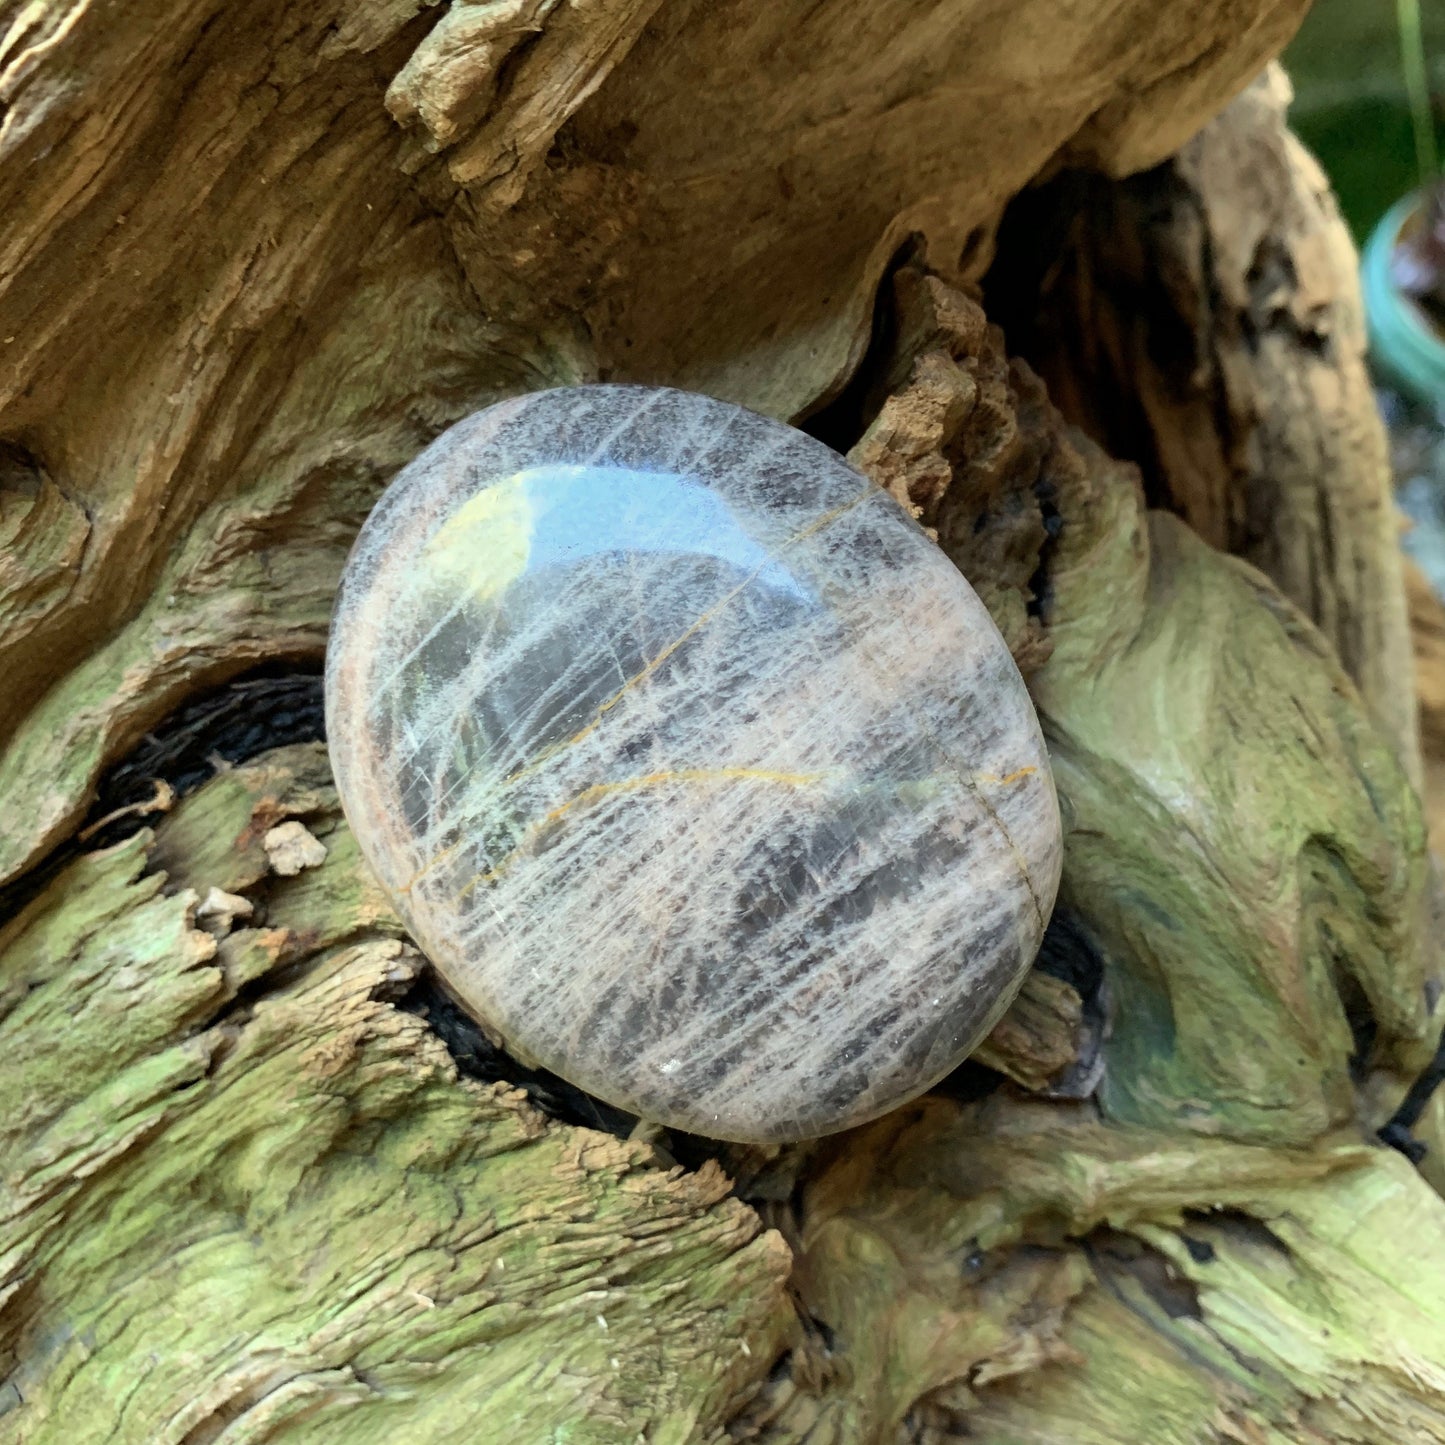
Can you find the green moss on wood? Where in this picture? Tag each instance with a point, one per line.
(289, 1217)
(1241, 842)
(1020, 1274)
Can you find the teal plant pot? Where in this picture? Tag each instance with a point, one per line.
(1407, 350)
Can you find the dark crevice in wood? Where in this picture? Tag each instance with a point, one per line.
(840, 423)
(266, 708)
(969, 1082)
(20, 471)
(477, 1057)
(1040, 584)
(1069, 953)
(1234, 1226)
(1115, 1254)
(1397, 1132)
(1062, 246)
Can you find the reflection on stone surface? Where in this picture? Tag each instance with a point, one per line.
(700, 773)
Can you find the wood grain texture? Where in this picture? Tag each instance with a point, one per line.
(322, 1232)
(247, 1198)
(239, 1178)
(1204, 320)
(244, 1196)
(253, 257)
(1048, 1284)
(1223, 791)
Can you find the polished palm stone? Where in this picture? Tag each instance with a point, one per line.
(699, 772)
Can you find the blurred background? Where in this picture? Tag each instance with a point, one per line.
(1352, 99)
(1369, 79)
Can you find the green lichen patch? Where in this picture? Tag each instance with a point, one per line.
(1242, 843)
(247, 1197)
(1021, 1274)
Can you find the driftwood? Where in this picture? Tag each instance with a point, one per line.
(1204, 320)
(237, 296)
(261, 1181)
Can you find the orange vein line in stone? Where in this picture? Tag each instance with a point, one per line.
(1007, 778)
(435, 861)
(1018, 857)
(816, 525)
(632, 785)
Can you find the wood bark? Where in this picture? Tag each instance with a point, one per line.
(259, 1179)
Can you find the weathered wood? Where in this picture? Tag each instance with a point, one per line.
(1044, 1279)
(235, 297)
(1243, 893)
(246, 1196)
(1204, 320)
(242, 1177)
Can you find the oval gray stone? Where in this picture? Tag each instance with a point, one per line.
(699, 772)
